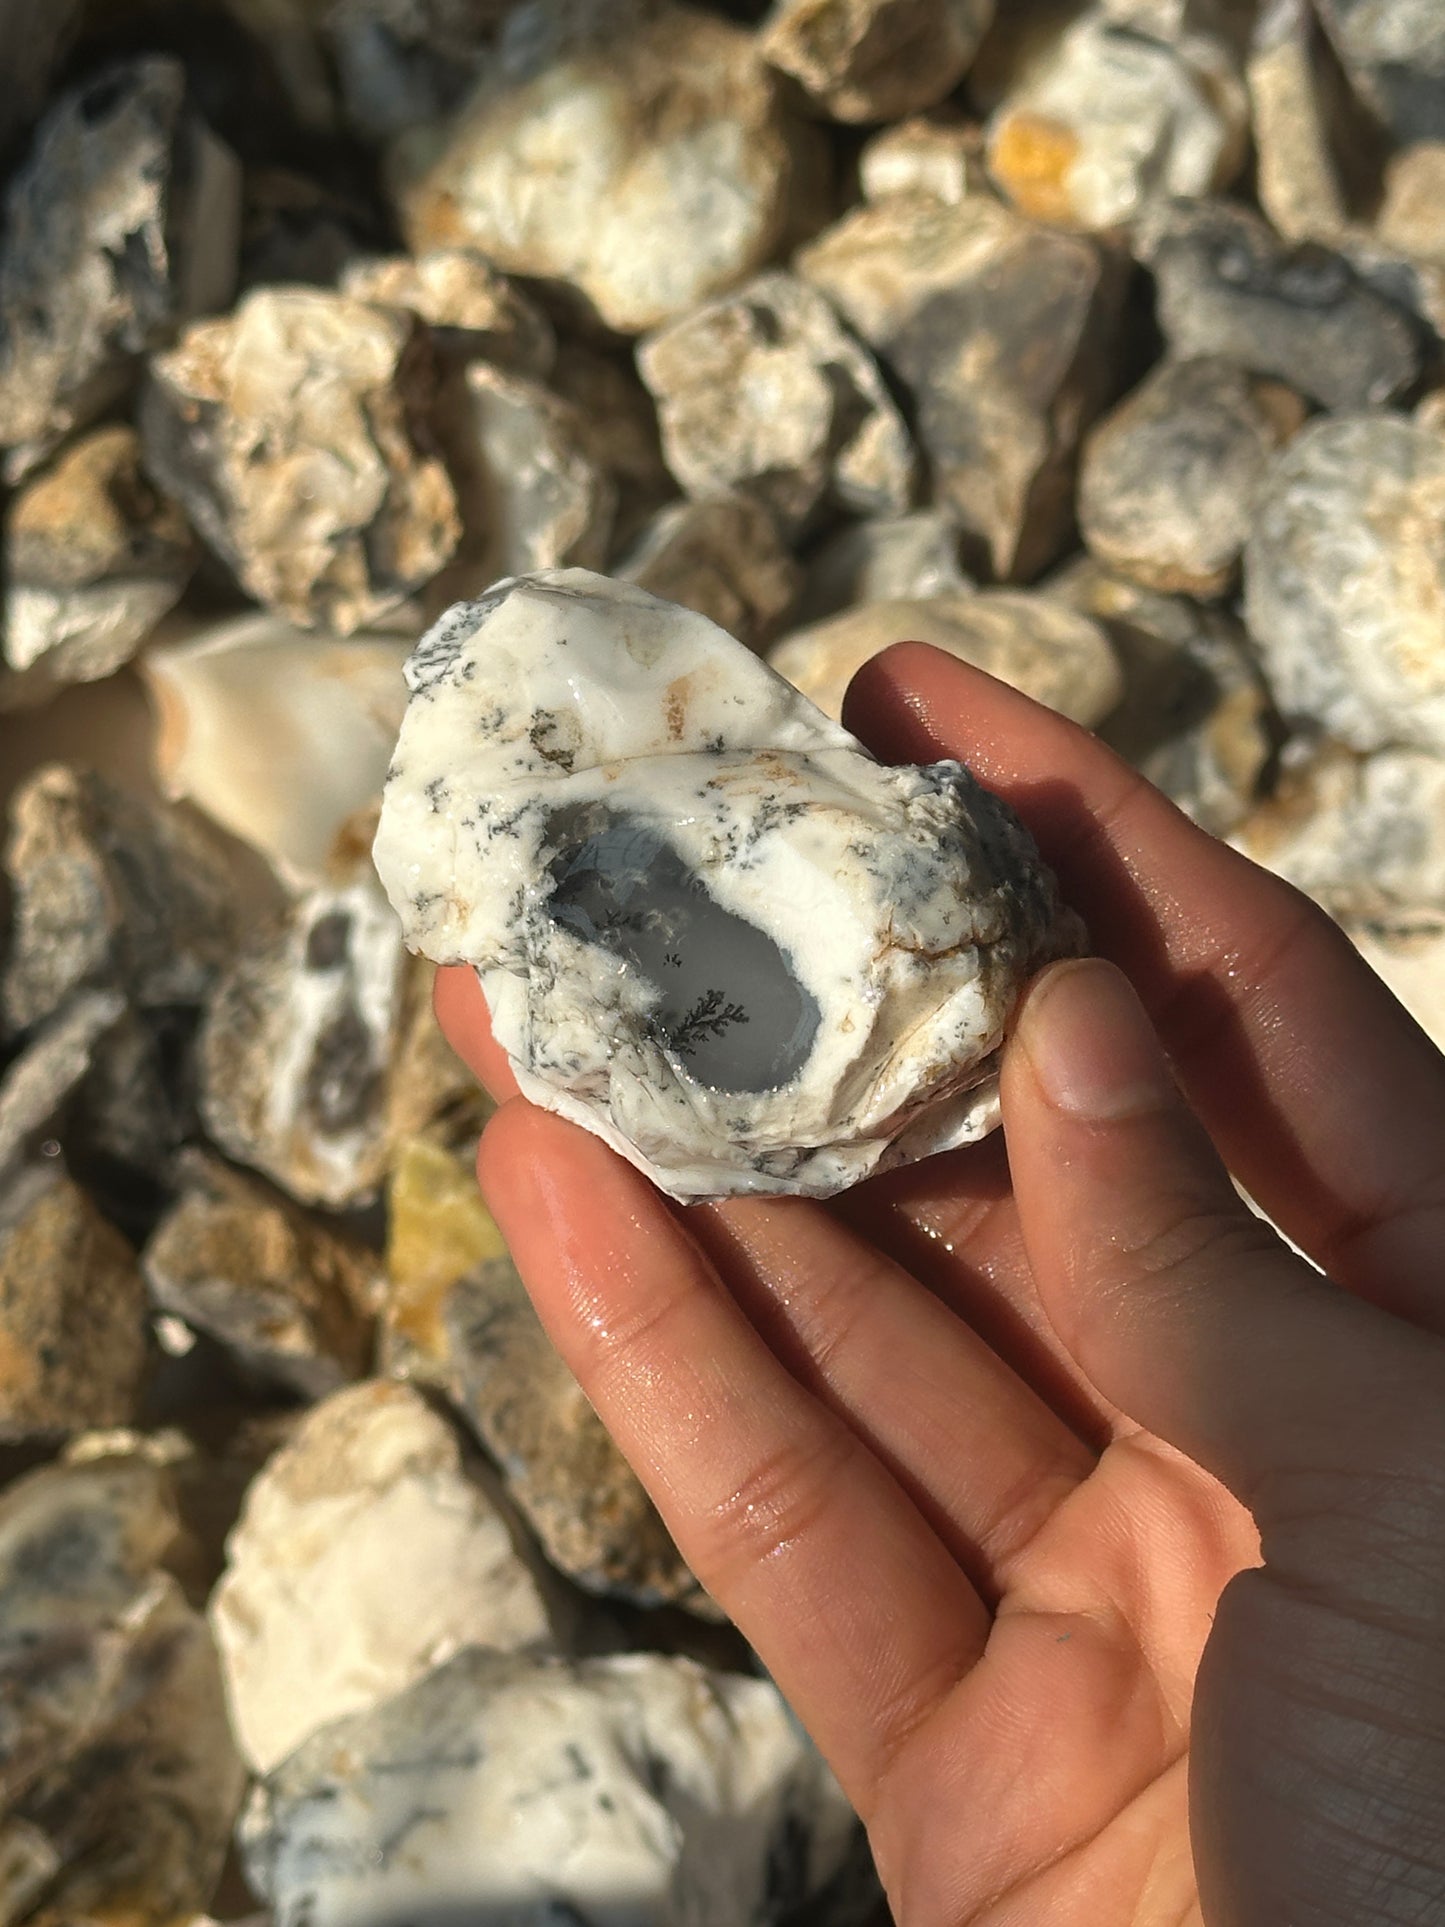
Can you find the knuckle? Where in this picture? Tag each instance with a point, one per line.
(784, 1498)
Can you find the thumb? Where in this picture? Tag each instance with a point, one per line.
(1184, 1309)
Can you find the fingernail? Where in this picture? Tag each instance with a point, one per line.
(1092, 1050)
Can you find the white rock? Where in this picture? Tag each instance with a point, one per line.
(277, 735)
(709, 927)
(863, 60)
(366, 1554)
(907, 556)
(1412, 963)
(636, 1791)
(931, 154)
(1053, 654)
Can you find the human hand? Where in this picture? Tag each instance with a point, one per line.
(1098, 1539)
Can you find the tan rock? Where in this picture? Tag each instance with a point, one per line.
(1168, 481)
(668, 156)
(723, 556)
(1299, 180)
(289, 430)
(1001, 330)
(1411, 961)
(765, 391)
(862, 60)
(368, 1551)
(1051, 653)
(474, 311)
(94, 557)
(1114, 120)
(932, 154)
(74, 1343)
(1412, 216)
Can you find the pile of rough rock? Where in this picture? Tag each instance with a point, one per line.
(1100, 344)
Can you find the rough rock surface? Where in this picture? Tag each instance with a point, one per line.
(1296, 114)
(458, 1316)
(289, 1300)
(1395, 54)
(1028, 640)
(640, 1790)
(1363, 835)
(1001, 331)
(119, 1778)
(1227, 286)
(1195, 715)
(73, 1334)
(474, 311)
(820, 953)
(932, 154)
(109, 891)
(94, 557)
(721, 555)
(36, 1085)
(327, 711)
(1114, 120)
(766, 391)
(293, 431)
(122, 224)
(669, 157)
(898, 557)
(1168, 481)
(1345, 580)
(862, 60)
(298, 1042)
(368, 1551)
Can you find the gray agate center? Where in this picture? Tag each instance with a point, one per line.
(731, 1013)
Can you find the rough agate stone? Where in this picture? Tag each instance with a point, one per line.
(709, 927)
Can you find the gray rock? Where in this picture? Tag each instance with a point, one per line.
(37, 1084)
(111, 891)
(122, 224)
(475, 312)
(1002, 331)
(863, 60)
(685, 1798)
(1195, 716)
(1345, 580)
(1395, 54)
(457, 1316)
(933, 154)
(1412, 214)
(292, 432)
(34, 34)
(73, 1335)
(368, 1549)
(1168, 481)
(767, 392)
(620, 418)
(118, 1777)
(898, 557)
(298, 1043)
(94, 557)
(405, 63)
(723, 556)
(1112, 121)
(670, 155)
(1052, 654)
(288, 1299)
(1228, 287)
(1362, 835)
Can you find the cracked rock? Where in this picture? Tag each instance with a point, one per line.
(1001, 330)
(293, 431)
(122, 224)
(1345, 580)
(475, 312)
(670, 158)
(721, 555)
(94, 557)
(1112, 120)
(1228, 287)
(1169, 480)
(861, 60)
(767, 392)
(289, 1300)
(109, 891)
(368, 1551)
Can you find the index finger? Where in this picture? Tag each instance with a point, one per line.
(1325, 1098)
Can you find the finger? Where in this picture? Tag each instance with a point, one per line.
(1325, 1098)
(466, 1024)
(986, 1461)
(1183, 1307)
(798, 1531)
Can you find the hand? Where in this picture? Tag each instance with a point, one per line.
(1097, 1537)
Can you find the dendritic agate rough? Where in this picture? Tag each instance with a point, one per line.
(709, 926)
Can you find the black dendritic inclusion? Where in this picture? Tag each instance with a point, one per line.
(731, 1010)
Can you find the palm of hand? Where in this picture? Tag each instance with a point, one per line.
(890, 1434)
